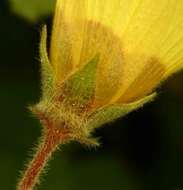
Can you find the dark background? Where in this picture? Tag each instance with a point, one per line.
(142, 151)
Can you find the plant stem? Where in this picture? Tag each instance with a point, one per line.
(52, 138)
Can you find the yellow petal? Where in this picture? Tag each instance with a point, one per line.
(66, 36)
(143, 84)
(77, 37)
(156, 30)
(126, 35)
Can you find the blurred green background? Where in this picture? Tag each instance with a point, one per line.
(142, 151)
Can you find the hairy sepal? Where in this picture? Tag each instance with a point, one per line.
(79, 88)
(110, 113)
(47, 72)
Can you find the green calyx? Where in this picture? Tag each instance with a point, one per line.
(73, 98)
(78, 89)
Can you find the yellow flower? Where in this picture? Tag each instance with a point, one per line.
(106, 59)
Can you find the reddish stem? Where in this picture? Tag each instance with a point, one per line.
(52, 138)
